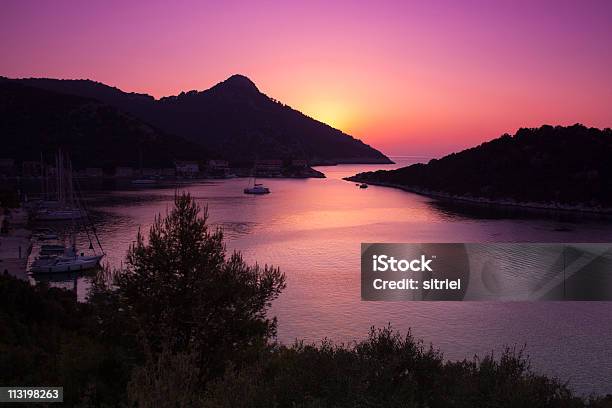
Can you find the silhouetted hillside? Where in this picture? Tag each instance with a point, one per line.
(233, 118)
(551, 165)
(34, 120)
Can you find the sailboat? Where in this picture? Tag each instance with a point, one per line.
(64, 208)
(56, 258)
(69, 262)
(257, 188)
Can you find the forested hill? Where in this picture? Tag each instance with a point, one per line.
(35, 121)
(551, 165)
(232, 118)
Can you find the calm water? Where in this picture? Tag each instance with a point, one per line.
(313, 228)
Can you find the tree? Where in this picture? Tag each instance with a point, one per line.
(180, 292)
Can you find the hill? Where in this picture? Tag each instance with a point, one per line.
(559, 167)
(35, 121)
(232, 118)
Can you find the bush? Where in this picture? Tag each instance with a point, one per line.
(385, 370)
(181, 292)
(45, 340)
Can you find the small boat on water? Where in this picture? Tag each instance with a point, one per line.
(257, 189)
(65, 263)
(363, 185)
(56, 258)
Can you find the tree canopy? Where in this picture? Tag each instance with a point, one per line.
(180, 290)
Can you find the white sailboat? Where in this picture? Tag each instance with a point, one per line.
(56, 257)
(257, 188)
(65, 207)
(69, 262)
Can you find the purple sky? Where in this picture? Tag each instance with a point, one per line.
(407, 77)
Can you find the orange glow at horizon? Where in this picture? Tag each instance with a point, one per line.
(408, 78)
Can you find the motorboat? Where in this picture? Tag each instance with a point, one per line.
(257, 189)
(363, 185)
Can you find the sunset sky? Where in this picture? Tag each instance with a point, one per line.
(410, 78)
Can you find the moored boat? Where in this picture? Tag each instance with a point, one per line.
(65, 206)
(257, 189)
(59, 257)
(58, 264)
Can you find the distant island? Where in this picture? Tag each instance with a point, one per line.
(232, 121)
(567, 168)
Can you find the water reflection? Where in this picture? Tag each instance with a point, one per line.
(312, 230)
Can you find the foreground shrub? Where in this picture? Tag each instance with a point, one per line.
(181, 292)
(385, 370)
(46, 339)
(167, 380)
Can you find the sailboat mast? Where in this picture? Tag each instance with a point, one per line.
(58, 176)
(72, 202)
(69, 182)
(42, 178)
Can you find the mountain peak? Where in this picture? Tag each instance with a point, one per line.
(240, 81)
(233, 118)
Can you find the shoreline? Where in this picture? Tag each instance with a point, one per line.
(362, 160)
(482, 201)
(15, 244)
